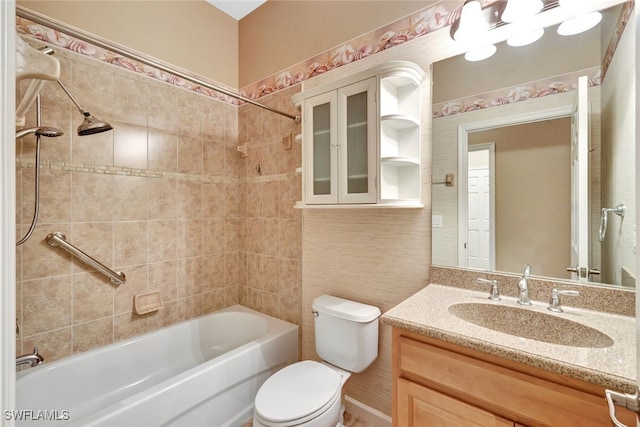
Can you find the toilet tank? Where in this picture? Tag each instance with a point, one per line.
(346, 332)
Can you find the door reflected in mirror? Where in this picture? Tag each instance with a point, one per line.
(523, 194)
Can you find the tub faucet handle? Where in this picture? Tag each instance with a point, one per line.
(494, 294)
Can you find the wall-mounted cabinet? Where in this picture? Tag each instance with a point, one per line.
(361, 139)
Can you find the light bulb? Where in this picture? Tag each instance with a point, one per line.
(525, 38)
(579, 24)
(471, 23)
(480, 53)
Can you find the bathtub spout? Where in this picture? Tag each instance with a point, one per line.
(33, 359)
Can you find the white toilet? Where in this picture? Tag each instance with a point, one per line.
(309, 393)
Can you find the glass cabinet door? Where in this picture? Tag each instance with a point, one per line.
(321, 161)
(357, 142)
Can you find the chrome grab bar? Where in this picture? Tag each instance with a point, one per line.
(60, 240)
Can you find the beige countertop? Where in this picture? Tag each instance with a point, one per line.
(613, 367)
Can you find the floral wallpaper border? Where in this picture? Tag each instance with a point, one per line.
(415, 25)
(522, 92)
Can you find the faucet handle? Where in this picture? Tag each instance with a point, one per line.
(554, 302)
(495, 291)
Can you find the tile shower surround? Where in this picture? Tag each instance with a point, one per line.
(165, 197)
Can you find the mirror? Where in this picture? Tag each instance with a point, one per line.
(503, 127)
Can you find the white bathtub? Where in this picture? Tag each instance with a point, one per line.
(205, 371)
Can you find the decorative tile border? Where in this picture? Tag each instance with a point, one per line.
(152, 173)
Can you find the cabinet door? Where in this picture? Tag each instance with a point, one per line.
(357, 142)
(321, 159)
(419, 406)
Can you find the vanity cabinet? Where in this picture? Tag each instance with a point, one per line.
(438, 384)
(361, 139)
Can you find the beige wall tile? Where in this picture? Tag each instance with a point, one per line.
(163, 198)
(91, 149)
(95, 239)
(213, 272)
(189, 199)
(39, 260)
(55, 196)
(162, 106)
(91, 197)
(213, 236)
(48, 305)
(213, 301)
(189, 238)
(130, 198)
(130, 145)
(213, 157)
(213, 200)
(271, 273)
(189, 277)
(190, 154)
(128, 325)
(163, 240)
(163, 276)
(130, 243)
(92, 297)
(92, 334)
(232, 268)
(165, 317)
(130, 100)
(190, 307)
(162, 150)
(190, 108)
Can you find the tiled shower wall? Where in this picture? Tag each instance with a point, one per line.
(165, 197)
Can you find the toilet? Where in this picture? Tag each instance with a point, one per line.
(309, 393)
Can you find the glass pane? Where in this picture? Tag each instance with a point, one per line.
(357, 171)
(321, 149)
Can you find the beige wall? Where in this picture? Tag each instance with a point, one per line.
(532, 195)
(190, 34)
(281, 33)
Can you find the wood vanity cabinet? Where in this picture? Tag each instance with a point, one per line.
(438, 384)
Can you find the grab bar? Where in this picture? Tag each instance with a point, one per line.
(618, 210)
(60, 240)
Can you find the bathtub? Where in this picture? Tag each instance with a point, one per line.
(201, 372)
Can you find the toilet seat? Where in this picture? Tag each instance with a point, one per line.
(297, 394)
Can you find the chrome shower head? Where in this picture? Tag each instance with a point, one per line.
(49, 132)
(91, 125)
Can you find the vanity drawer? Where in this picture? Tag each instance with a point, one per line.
(504, 391)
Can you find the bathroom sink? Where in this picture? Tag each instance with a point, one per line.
(526, 323)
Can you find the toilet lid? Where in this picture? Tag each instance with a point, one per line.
(297, 391)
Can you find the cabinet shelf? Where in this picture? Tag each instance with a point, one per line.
(400, 161)
(400, 121)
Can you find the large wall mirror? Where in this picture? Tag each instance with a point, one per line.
(509, 130)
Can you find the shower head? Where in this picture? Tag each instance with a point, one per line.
(40, 131)
(90, 125)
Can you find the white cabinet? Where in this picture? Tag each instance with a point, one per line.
(361, 139)
(340, 152)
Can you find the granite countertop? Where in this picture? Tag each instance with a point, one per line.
(613, 367)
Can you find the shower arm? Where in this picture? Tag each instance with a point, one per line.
(86, 37)
(82, 110)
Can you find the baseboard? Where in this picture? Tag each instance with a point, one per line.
(371, 417)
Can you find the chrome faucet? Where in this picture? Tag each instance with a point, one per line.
(494, 294)
(33, 359)
(523, 287)
(554, 302)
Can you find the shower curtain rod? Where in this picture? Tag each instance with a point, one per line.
(58, 26)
